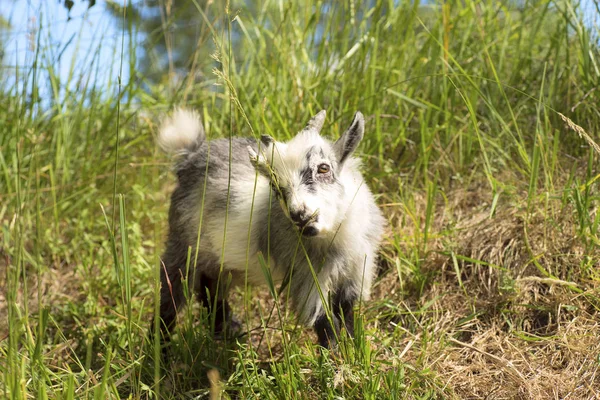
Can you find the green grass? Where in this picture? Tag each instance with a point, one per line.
(490, 277)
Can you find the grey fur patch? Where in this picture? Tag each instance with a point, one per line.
(211, 159)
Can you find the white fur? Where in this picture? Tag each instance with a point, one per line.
(343, 218)
(181, 131)
(239, 253)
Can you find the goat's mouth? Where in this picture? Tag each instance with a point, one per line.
(306, 224)
(309, 230)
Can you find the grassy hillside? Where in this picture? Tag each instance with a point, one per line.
(481, 117)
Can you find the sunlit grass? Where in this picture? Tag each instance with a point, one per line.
(489, 279)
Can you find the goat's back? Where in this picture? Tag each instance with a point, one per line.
(233, 208)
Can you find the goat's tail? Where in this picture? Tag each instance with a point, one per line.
(181, 132)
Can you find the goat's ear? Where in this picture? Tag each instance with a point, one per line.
(349, 141)
(266, 140)
(316, 122)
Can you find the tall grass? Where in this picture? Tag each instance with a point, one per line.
(460, 94)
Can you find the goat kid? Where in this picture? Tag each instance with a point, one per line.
(321, 239)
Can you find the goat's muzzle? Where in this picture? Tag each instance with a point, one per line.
(305, 222)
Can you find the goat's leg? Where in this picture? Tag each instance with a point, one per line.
(342, 317)
(215, 301)
(171, 297)
(343, 308)
(326, 332)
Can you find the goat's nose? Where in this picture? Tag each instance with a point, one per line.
(299, 217)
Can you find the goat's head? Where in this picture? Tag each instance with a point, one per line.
(306, 174)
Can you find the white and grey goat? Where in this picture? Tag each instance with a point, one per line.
(302, 206)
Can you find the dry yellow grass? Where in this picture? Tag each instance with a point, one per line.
(510, 331)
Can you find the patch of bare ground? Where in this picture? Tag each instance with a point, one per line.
(512, 303)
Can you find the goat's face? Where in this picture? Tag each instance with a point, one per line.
(305, 174)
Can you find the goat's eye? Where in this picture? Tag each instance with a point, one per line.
(323, 169)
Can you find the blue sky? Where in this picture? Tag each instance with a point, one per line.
(69, 44)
